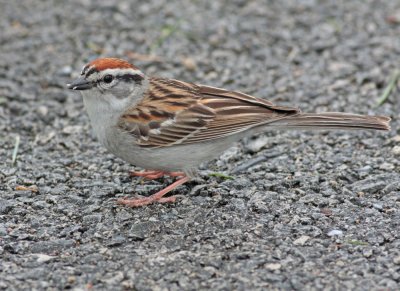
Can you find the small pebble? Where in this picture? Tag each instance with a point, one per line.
(377, 206)
(42, 258)
(43, 110)
(301, 240)
(396, 150)
(65, 71)
(189, 64)
(335, 232)
(396, 260)
(273, 266)
(386, 166)
(368, 253)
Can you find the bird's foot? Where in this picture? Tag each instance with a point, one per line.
(157, 197)
(152, 175)
(138, 202)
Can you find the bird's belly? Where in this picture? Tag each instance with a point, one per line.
(172, 158)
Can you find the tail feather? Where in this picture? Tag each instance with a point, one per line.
(333, 120)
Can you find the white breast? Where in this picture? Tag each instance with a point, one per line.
(102, 118)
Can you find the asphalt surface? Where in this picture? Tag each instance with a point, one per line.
(303, 210)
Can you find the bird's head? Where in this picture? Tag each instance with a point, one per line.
(110, 80)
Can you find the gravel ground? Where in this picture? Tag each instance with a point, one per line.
(314, 210)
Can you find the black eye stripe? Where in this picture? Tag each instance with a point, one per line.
(131, 77)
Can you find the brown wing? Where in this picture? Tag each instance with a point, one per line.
(176, 112)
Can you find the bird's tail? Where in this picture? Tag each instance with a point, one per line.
(332, 120)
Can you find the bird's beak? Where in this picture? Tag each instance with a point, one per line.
(80, 84)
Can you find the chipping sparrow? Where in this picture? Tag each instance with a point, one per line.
(171, 126)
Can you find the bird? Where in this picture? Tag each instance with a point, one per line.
(168, 127)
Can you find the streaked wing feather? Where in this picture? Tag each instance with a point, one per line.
(176, 112)
(218, 92)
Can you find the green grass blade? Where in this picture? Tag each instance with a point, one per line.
(220, 175)
(389, 88)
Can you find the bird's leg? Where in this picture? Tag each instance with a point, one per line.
(152, 175)
(157, 197)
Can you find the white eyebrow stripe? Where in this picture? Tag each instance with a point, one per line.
(121, 72)
(83, 70)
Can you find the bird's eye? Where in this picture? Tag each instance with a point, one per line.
(108, 79)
